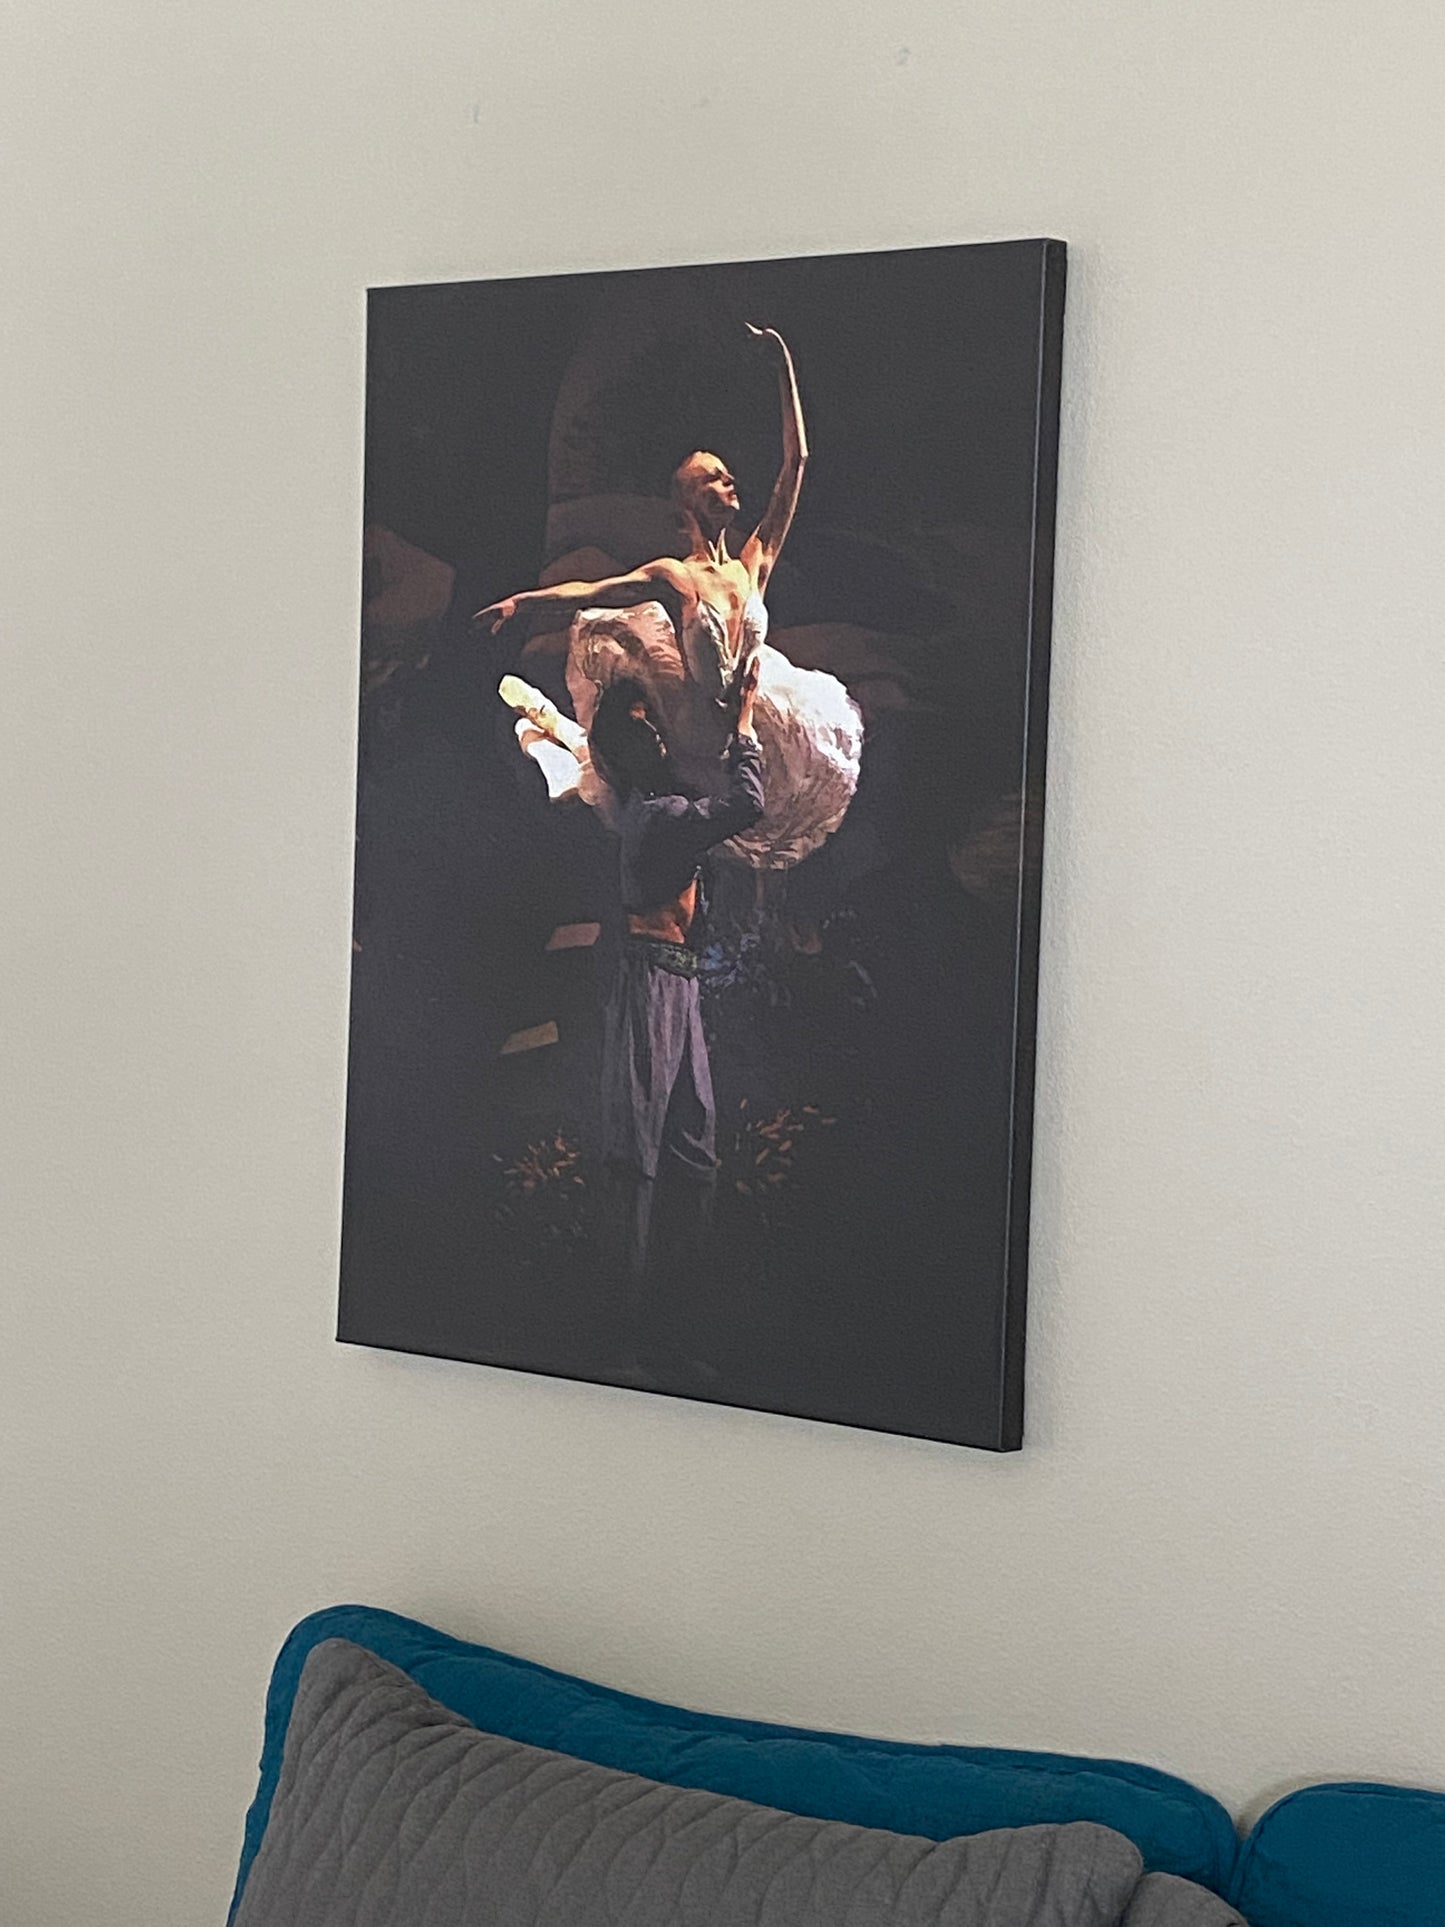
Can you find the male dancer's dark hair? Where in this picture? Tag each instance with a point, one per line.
(624, 739)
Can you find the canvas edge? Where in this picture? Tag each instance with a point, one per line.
(1052, 283)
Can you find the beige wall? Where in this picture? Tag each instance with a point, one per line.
(1223, 1549)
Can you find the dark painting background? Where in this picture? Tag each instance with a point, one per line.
(871, 1014)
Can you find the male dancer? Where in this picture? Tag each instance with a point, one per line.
(658, 1117)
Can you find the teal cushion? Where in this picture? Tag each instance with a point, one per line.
(1346, 1856)
(937, 1791)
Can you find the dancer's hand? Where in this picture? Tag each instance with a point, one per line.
(748, 689)
(765, 334)
(496, 613)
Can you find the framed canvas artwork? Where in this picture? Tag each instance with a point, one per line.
(701, 781)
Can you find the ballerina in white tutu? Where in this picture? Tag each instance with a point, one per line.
(687, 630)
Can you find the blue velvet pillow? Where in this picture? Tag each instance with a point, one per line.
(937, 1791)
(1346, 1856)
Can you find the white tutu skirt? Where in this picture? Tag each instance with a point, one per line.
(811, 735)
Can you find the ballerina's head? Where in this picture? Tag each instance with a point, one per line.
(704, 489)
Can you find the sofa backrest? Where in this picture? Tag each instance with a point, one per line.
(1346, 1855)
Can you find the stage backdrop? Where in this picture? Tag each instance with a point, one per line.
(860, 978)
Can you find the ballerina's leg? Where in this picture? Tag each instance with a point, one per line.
(560, 769)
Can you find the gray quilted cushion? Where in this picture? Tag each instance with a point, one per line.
(393, 1812)
(1164, 1900)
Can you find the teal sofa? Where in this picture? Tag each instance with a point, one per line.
(1340, 1855)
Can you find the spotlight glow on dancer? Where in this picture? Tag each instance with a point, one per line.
(687, 630)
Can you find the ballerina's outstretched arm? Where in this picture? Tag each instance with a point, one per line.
(612, 592)
(760, 551)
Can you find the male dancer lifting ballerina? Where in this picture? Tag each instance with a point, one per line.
(658, 1114)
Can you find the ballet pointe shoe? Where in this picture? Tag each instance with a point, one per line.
(543, 715)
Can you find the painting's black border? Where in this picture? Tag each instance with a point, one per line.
(1053, 277)
(1009, 1418)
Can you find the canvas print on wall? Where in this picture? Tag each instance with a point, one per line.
(704, 677)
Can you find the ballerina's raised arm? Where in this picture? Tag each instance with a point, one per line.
(760, 551)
